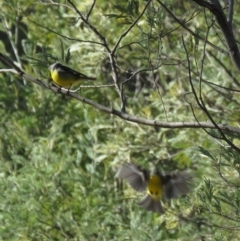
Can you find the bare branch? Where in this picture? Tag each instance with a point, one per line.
(8, 71)
(201, 104)
(140, 71)
(127, 117)
(112, 59)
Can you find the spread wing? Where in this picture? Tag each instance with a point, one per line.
(176, 183)
(134, 175)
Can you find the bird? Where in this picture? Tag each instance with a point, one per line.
(155, 184)
(65, 77)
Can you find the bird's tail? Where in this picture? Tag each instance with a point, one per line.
(151, 205)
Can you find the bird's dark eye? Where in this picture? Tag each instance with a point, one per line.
(151, 192)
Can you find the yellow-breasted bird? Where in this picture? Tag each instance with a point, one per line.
(156, 185)
(65, 77)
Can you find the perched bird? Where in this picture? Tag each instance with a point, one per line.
(156, 185)
(64, 76)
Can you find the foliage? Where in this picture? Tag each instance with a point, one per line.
(59, 156)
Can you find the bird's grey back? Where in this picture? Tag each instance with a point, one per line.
(55, 65)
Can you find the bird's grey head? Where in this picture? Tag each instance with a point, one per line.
(154, 170)
(55, 65)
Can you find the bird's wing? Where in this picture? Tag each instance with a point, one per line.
(74, 72)
(176, 183)
(134, 175)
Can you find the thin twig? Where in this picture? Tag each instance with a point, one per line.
(111, 56)
(100, 36)
(130, 27)
(228, 71)
(90, 11)
(203, 107)
(8, 71)
(140, 71)
(64, 36)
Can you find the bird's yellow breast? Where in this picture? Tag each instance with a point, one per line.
(155, 187)
(63, 79)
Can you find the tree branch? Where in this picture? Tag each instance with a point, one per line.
(215, 8)
(201, 103)
(190, 31)
(124, 116)
(230, 12)
(111, 56)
